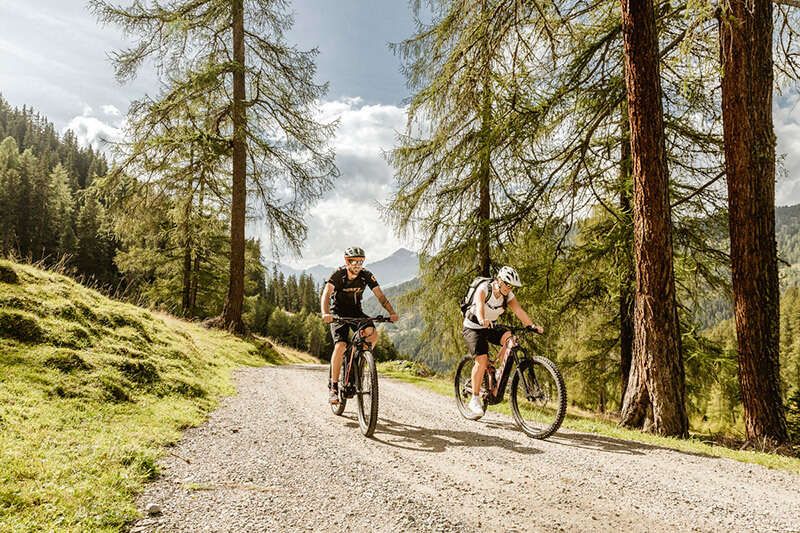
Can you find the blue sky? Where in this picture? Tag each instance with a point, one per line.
(53, 56)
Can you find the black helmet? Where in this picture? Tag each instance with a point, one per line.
(354, 251)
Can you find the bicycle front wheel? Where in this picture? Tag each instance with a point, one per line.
(538, 397)
(367, 393)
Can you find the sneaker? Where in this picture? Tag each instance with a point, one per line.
(475, 409)
(333, 396)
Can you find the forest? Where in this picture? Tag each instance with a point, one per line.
(622, 160)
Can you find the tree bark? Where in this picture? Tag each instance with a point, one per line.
(197, 260)
(484, 209)
(628, 279)
(746, 56)
(657, 346)
(187, 248)
(232, 311)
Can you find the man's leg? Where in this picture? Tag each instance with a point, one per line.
(371, 334)
(336, 360)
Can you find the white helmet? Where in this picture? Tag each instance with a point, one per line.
(510, 276)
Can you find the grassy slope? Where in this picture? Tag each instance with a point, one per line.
(589, 423)
(91, 390)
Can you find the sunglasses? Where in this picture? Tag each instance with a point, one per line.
(355, 262)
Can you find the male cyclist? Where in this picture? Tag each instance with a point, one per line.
(344, 289)
(489, 301)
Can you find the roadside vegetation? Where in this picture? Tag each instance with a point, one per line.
(91, 392)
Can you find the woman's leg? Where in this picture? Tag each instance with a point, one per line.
(481, 362)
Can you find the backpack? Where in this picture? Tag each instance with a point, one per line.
(466, 301)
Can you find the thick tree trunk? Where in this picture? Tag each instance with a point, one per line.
(628, 278)
(746, 55)
(657, 346)
(232, 312)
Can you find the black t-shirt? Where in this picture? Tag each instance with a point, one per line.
(347, 293)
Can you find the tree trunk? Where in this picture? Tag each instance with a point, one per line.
(746, 56)
(657, 347)
(628, 279)
(232, 312)
(196, 268)
(187, 248)
(484, 210)
(187, 280)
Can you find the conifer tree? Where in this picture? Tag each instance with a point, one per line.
(9, 194)
(263, 95)
(657, 344)
(745, 37)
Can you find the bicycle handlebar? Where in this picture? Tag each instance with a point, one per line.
(515, 330)
(360, 319)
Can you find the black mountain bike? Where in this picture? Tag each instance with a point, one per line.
(538, 394)
(358, 376)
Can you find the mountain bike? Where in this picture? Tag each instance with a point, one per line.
(358, 376)
(538, 394)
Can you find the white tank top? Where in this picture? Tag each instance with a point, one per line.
(492, 308)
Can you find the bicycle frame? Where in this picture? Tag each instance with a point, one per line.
(352, 354)
(355, 347)
(497, 386)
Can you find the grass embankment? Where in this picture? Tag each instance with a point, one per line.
(588, 423)
(91, 390)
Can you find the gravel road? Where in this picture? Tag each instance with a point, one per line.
(274, 458)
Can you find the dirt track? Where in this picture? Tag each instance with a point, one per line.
(275, 458)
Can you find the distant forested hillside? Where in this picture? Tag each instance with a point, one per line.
(787, 233)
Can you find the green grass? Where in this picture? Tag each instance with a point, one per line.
(589, 423)
(91, 391)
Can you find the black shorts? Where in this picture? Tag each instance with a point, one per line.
(478, 339)
(341, 332)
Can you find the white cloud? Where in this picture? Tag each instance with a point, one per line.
(110, 110)
(349, 215)
(91, 131)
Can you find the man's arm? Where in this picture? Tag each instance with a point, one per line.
(325, 303)
(384, 302)
(523, 316)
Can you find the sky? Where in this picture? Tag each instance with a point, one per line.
(53, 57)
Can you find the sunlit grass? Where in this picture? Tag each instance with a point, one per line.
(91, 390)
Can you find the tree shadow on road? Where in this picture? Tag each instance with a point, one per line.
(600, 443)
(427, 439)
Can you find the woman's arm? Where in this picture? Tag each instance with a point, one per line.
(523, 316)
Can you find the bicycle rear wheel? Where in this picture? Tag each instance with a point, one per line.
(338, 408)
(463, 386)
(538, 397)
(367, 393)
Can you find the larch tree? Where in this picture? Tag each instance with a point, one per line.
(657, 343)
(264, 113)
(449, 163)
(745, 41)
